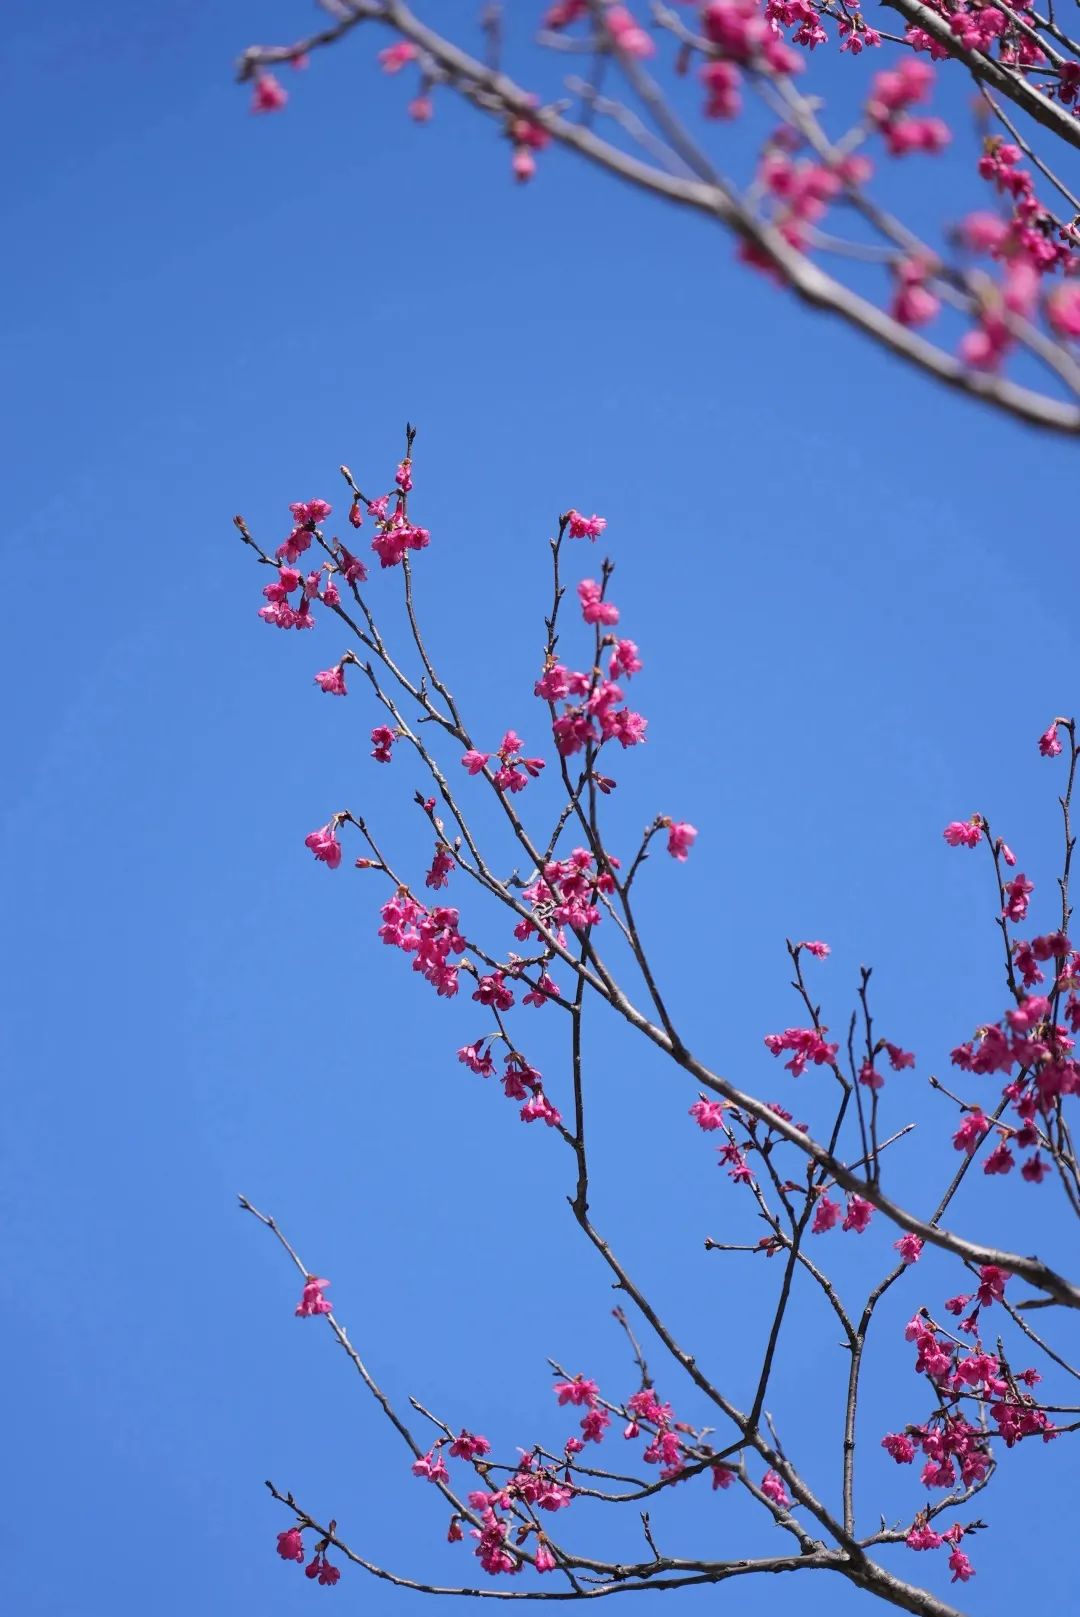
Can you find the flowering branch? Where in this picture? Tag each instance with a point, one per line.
(776, 217)
(978, 1403)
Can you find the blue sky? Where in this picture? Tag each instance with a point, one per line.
(854, 595)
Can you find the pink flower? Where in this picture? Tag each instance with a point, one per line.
(466, 1446)
(971, 1131)
(923, 1538)
(384, 739)
(594, 609)
(625, 660)
(992, 1282)
(898, 1059)
(1063, 310)
(268, 95)
(441, 866)
(312, 1300)
(540, 1110)
(432, 1466)
(899, 1446)
(820, 951)
(805, 1043)
(309, 513)
(290, 1545)
(1016, 900)
(773, 1488)
(1034, 1170)
(332, 681)
(395, 57)
(594, 1425)
(708, 1113)
(1049, 745)
(681, 835)
(858, 1215)
(962, 1568)
(543, 1560)
(582, 527)
(474, 761)
(909, 1247)
(325, 845)
(963, 833)
(579, 1390)
(1000, 1160)
(353, 569)
(320, 1568)
(826, 1215)
(722, 1476)
(421, 109)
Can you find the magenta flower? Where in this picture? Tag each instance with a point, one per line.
(773, 1488)
(909, 1247)
(681, 835)
(320, 1568)
(858, 1215)
(820, 950)
(582, 527)
(432, 1466)
(826, 1215)
(971, 1131)
(384, 739)
(709, 1114)
(962, 1568)
(805, 1043)
(1017, 893)
(899, 1446)
(474, 761)
(290, 1545)
(325, 845)
(594, 609)
(467, 1446)
(332, 681)
(722, 1476)
(268, 94)
(963, 833)
(579, 1390)
(544, 1561)
(1049, 745)
(312, 1300)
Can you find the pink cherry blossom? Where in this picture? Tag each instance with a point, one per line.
(290, 1545)
(474, 761)
(858, 1215)
(332, 681)
(582, 527)
(708, 1113)
(431, 1466)
(321, 1569)
(579, 1390)
(1049, 745)
(312, 1300)
(325, 845)
(681, 835)
(773, 1488)
(268, 94)
(963, 833)
(821, 951)
(805, 1043)
(909, 1247)
(396, 56)
(384, 739)
(826, 1215)
(594, 609)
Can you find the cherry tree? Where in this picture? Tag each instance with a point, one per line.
(979, 290)
(528, 909)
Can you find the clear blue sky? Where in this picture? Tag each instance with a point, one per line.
(856, 600)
